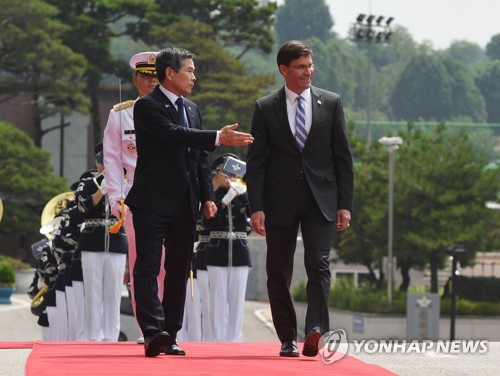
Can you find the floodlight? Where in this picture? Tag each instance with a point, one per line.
(379, 19)
(389, 20)
(370, 18)
(390, 141)
(361, 17)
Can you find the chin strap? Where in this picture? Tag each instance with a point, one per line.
(116, 227)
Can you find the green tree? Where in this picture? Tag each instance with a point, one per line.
(466, 98)
(26, 181)
(440, 190)
(365, 242)
(436, 87)
(440, 195)
(297, 19)
(493, 48)
(423, 91)
(37, 61)
(91, 27)
(243, 23)
(488, 81)
(467, 52)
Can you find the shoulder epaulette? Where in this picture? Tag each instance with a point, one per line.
(123, 105)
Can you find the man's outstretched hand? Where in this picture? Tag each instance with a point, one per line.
(229, 137)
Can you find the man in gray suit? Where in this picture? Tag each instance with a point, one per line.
(299, 172)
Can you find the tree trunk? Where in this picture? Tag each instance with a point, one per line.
(95, 117)
(434, 273)
(405, 274)
(37, 120)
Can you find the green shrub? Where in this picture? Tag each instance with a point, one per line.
(476, 289)
(364, 298)
(7, 274)
(15, 262)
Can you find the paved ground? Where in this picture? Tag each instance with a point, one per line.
(18, 324)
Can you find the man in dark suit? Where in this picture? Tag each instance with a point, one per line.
(172, 177)
(299, 172)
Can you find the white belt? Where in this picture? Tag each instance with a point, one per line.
(98, 222)
(226, 235)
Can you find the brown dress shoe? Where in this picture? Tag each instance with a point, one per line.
(311, 343)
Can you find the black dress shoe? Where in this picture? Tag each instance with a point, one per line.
(311, 343)
(174, 349)
(289, 349)
(155, 344)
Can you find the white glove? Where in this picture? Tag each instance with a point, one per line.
(239, 187)
(230, 195)
(235, 190)
(103, 188)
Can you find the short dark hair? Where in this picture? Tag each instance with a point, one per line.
(292, 50)
(171, 57)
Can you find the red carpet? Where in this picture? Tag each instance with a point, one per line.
(16, 345)
(127, 358)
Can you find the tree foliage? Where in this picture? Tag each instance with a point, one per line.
(467, 52)
(488, 81)
(297, 19)
(26, 181)
(440, 190)
(38, 62)
(493, 48)
(243, 23)
(90, 29)
(437, 88)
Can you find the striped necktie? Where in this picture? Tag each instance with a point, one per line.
(180, 109)
(300, 125)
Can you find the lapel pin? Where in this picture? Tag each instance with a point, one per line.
(319, 102)
(167, 106)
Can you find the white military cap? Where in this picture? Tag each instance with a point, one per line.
(144, 62)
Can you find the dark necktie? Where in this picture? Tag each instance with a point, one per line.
(300, 125)
(180, 109)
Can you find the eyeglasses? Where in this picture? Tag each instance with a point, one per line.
(303, 67)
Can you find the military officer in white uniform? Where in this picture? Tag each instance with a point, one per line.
(120, 155)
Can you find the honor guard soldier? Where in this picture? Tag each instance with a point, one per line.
(227, 253)
(64, 247)
(103, 257)
(45, 276)
(120, 155)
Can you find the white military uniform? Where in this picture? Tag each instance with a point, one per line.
(120, 152)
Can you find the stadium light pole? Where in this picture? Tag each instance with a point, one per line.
(392, 144)
(370, 29)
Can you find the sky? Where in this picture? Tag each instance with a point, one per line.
(439, 21)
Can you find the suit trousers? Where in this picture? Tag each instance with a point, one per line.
(132, 255)
(317, 235)
(176, 233)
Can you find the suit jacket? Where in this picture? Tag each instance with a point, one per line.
(275, 166)
(171, 159)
